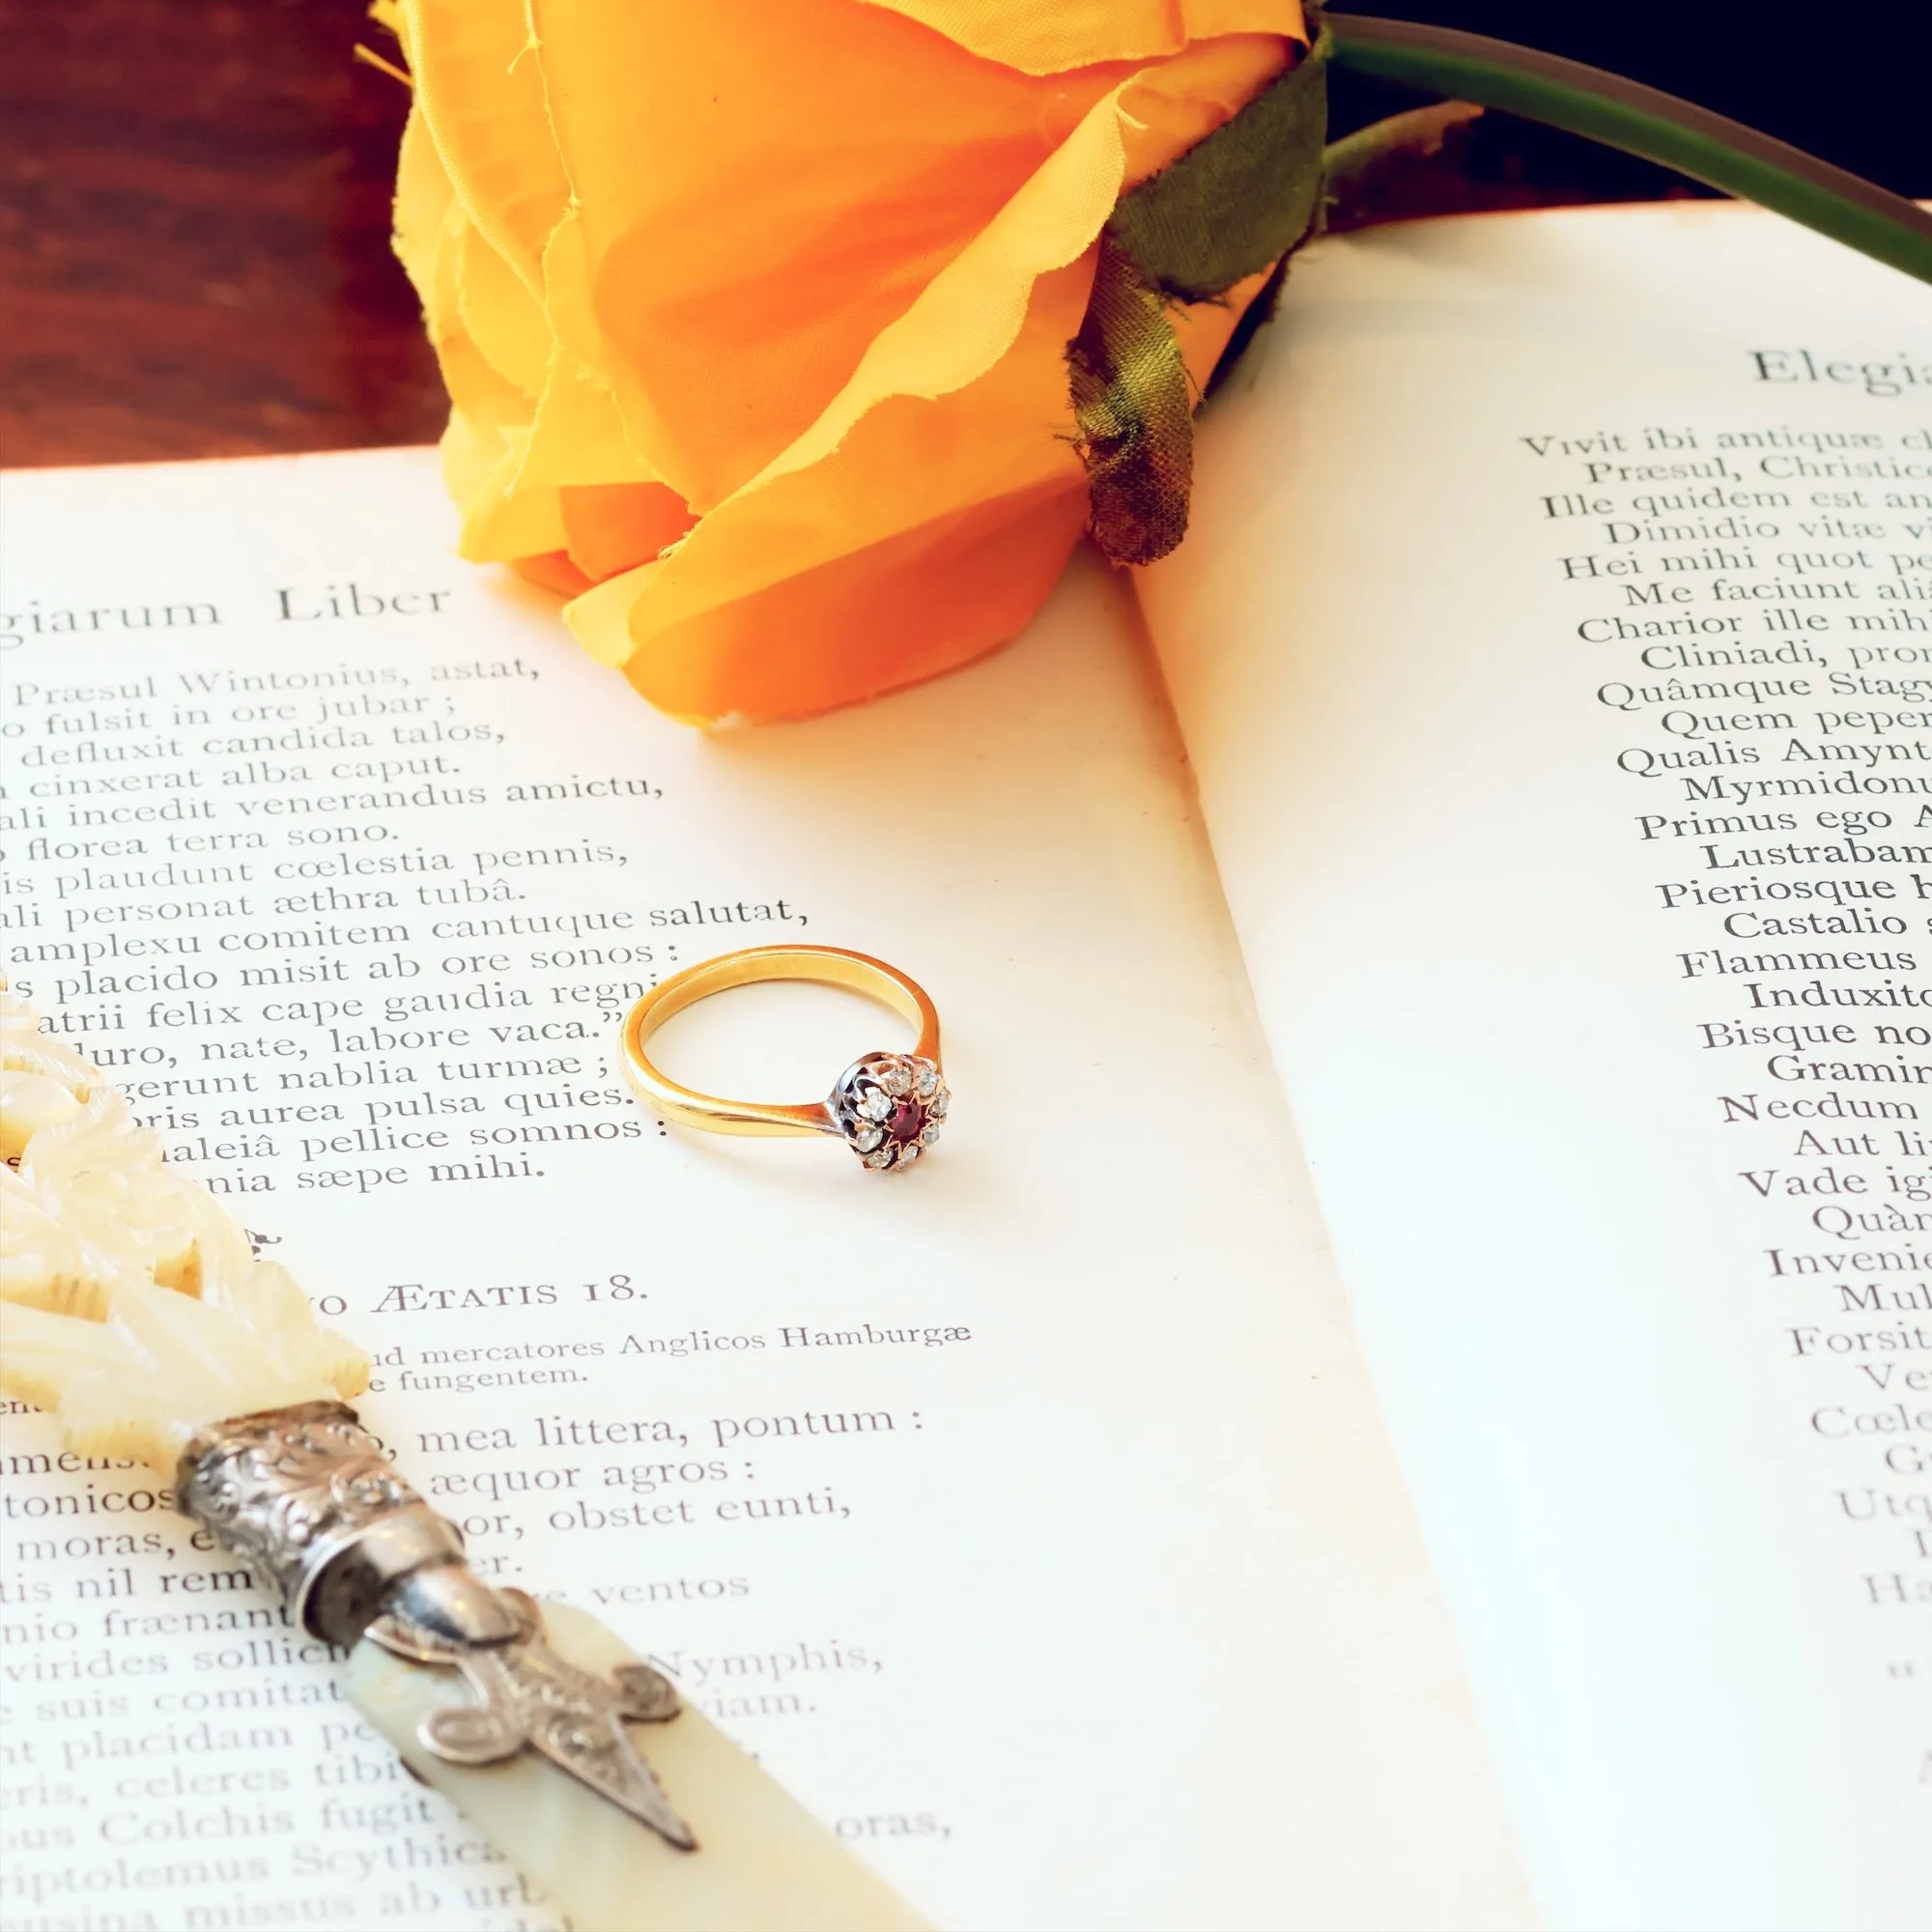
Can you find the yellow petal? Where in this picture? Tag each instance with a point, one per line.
(479, 465)
(1170, 105)
(502, 318)
(1049, 38)
(424, 198)
(757, 210)
(579, 434)
(615, 526)
(480, 91)
(926, 537)
(968, 315)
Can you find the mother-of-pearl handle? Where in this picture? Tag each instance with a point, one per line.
(763, 1863)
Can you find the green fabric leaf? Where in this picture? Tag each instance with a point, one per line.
(1136, 416)
(1236, 202)
(1229, 208)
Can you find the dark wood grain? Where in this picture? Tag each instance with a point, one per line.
(195, 248)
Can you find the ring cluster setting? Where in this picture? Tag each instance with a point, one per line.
(889, 1106)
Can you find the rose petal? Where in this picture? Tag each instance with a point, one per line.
(1049, 38)
(758, 209)
(615, 526)
(480, 91)
(928, 536)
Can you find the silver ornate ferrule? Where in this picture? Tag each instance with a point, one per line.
(306, 1497)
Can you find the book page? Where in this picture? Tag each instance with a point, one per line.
(1028, 1514)
(1554, 647)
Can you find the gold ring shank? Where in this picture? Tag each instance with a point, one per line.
(823, 965)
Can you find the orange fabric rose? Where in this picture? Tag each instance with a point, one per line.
(755, 318)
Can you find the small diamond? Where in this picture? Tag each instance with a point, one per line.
(876, 1106)
(896, 1079)
(930, 1135)
(867, 1138)
(879, 1158)
(928, 1079)
(938, 1104)
(908, 1152)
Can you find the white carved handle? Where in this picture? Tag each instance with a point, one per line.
(763, 1863)
(136, 1309)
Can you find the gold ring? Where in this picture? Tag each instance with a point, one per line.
(887, 1107)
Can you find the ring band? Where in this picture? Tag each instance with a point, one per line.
(887, 1107)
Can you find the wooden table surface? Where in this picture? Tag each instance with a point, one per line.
(194, 228)
(195, 259)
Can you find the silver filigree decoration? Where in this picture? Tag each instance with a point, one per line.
(528, 1697)
(306, 1497)
(889, 1107)
(297, 1493)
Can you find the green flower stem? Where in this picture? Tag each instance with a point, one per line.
(1421, 130)
(1642, 121)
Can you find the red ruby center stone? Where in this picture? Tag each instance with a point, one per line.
(906, 1121)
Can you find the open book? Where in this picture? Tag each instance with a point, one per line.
(1404, 1396)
